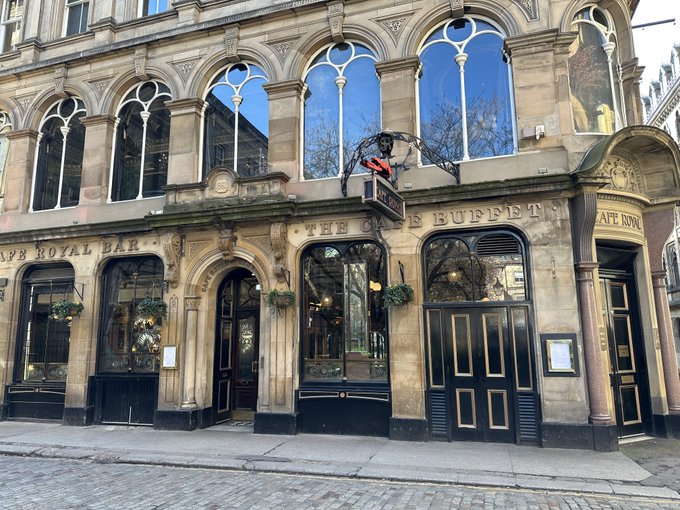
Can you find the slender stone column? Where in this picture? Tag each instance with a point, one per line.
(191, 305)
(670, 363)
(597, 384)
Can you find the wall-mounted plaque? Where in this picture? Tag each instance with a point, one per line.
(559, 354)
(169, 357)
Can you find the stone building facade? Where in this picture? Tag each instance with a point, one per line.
(204, 154)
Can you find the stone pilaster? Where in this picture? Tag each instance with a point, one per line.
(285, 101)
(191, 305)
(186, 117)
(398, 89)
(19, 170)
(668, 358)
(96, 158)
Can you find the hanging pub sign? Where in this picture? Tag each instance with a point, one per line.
(381, 196)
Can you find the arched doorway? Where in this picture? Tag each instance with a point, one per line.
(235, 374)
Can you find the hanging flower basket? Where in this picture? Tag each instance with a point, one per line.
(151, 310)
(280, 298)
(65, 310)
(397, 295)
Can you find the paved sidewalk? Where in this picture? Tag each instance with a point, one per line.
(237, 448)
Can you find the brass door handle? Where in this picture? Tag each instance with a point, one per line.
(253, 367)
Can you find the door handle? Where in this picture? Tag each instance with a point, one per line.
(253, 367)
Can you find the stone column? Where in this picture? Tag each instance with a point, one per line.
(285, 107)
(94, 181)
(191, 305)
(668, 358)
(19, 170)
(597, 382)
(186, 117)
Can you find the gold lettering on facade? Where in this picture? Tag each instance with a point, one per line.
(619, 219)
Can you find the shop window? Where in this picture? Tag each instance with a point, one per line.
(475, 268)
(465, 91)
(150, 7)
(595, 78)
(128, 343)
(43, 342)
(237, 121)
(344, 323)
(10, 24)
(341, 107)
(142, 134)
(58, 167)
(76, 16)
(5, 127)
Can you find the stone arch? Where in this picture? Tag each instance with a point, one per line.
(314, 42)
(206, 71)
(122, 85)
(11, 113)
(45, 100)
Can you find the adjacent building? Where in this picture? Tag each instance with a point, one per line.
(204, 154)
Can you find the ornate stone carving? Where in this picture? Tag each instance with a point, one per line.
(336, 16)
(184, 67)
(623, 171)
(278, 234)
(59, 80)
(226, 242)
(264, 242)
(457, 8)
(174, 304)
(172, 243)
(196, 246)
(139, 61)
(99, 86)
(192, 303)
(394, 25)
(23, 102)
(231, 36)
(281, 47)
(529, 7)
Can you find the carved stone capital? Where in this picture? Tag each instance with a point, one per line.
(172, 244)
(192, 302)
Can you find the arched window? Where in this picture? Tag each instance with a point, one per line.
(464, 91)
(237, 121)
(475, 268)
(59, 161)
(345, 324)
(595, 74)
(142, 135)
(342, 106)
(5, 127)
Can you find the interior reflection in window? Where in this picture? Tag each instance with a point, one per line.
(464, 91)
(345, 332)
(342, 107)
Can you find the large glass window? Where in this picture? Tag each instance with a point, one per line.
(76, 16)
(475, 268)
(342, 106)
(59, 164)
(149, 7)
(595, 78)
(10, 24)
(237, 121)
(43, 341)
(344, 323)
(464, 91)
(142, 134)
(129, 343)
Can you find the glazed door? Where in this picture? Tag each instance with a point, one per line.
(236, 346)
(471, 361)
(626, 351)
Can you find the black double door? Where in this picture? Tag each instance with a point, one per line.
(236, 364)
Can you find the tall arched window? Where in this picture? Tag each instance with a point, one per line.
(342, 106)
(142, 135)
(464, 91)
(595, 74)
(237, 121)
(59, 157)
(5, 127)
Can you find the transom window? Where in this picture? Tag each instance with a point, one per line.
(76, 16)
(475, 268)
(149, 7)
(341, 107)
(595, 77)
(344, 323)
(59, 162)
(237, 121)
(44, 341)
(142, 135)
(10, 24)
(465, 91)
(129, 343)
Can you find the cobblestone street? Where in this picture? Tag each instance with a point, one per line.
(29, 483)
